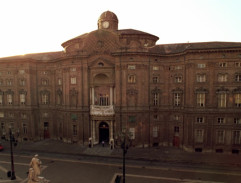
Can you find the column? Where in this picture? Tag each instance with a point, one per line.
(111, 95)
(93, 132)
(93, 96)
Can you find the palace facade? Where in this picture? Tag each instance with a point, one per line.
(185, 95)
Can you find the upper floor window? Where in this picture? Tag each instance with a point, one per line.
(131, 78)
(199, 135)
(73, 69)
(10, 99)
(155, 99)
(155, 68)
(1, 114)
(9, 72)
(155, 131)
(74, 129)
(220, 136)
(103, 99)
(237, 120)
(178, 79)
(201, 65)
(200, 119)
(236, 137)
(9, 82)
(178, 67)
(222, 99)
(25, 128)
(238, 64)
(223, 64)
(45, 97)
(237, 99)
(1, 98)
(221, 120)
(238, 77)
(73, 80)
(44, 82)
(59, 81)
(155, 79)
(1, 82)
(22, 97)
(21, 71)
(201, 78)
(177, 99)
(22, 82)
(222, 78)
(201, 97)
(131, 67)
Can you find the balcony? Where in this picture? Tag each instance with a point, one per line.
(97, 110)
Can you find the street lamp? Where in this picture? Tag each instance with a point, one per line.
(124, 141)
(12, 173)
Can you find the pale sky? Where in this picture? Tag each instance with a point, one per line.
(34, 26)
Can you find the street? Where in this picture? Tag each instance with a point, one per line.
(59, 168)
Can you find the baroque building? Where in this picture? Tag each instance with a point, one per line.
(185, 95)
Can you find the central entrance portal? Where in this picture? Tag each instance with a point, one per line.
(103, 132)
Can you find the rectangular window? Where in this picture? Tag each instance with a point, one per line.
(236, 137)
(21, 71)
(222, 64)
(200, 119)
(178, 67)
(201, 66)
(131, 78)
(155, 79)
(131, 67)
(10, 99)
(132, 133)
(220, 136)
(73, 80)
(237, 120)
(132, 119)
(1, 99)
(238, 77)
(222, 78)
(201, 99)
(176, 129)
(25, 129)
(22, 82)
(155, 100)
(45, 99)
(199, 133)
(155, 68)
(59, 81)
(22, 98)
(103, 100)
(1, 114)
(238, 64)
(237, 99)
(221, 120)
(73, 69)
(74, 129)
(222, 100)
(155, 131)
(9, 82)
(178, 79)
(44, 82)
(201, 78)
(177, 99)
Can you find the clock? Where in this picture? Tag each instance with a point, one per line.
(105, 24)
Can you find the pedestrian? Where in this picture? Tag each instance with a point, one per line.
(103, 143)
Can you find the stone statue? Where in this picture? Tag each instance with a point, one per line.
(31, 176)
(35, 164)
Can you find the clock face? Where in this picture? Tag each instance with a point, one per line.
(105, 24)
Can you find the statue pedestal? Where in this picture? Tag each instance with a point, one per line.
(43, 180)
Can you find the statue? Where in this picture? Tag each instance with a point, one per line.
(35, 165)
(31, 176)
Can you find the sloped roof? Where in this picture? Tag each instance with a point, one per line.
(182, 47)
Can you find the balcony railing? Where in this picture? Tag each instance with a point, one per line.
(97, 110)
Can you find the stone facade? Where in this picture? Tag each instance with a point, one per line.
(186, 95)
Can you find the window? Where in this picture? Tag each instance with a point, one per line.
(155, 99)
(9, 72)
(59, 81)
(220, 137)
(177, 99)
(178, 79)
(44, 82)
(131, 67)
(237, 99)
(178, 67)
(1, 82)
(221, 120)
(9, 82)
(22, 82)
(201, 66)
(1, 98)
(21, 71)
(45, 98)
(222, 100)
(238, 64)
(1, 114)
(103, 99)
(132, 133)
(155, 116)
(131, 119)
(238, 77)
(237, 120)
(131, 78)
(9, 99)
(236, 137)
(199, 133)
(73, 80)
(201, 99)
(22, 98)
(200, 120)
(222, 78)
(74, 129)
(25, 129)
(222, 64)
(155, 131)
(155, 68)
(201, 78)
(23, 115)
(176, 129)
(73, 69)
(177, 117)
(155, 79)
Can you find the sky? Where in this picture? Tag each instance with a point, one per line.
(35, 26)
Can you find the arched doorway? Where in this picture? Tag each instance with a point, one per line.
(103, 132)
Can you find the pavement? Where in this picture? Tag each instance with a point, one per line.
(153, 154)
